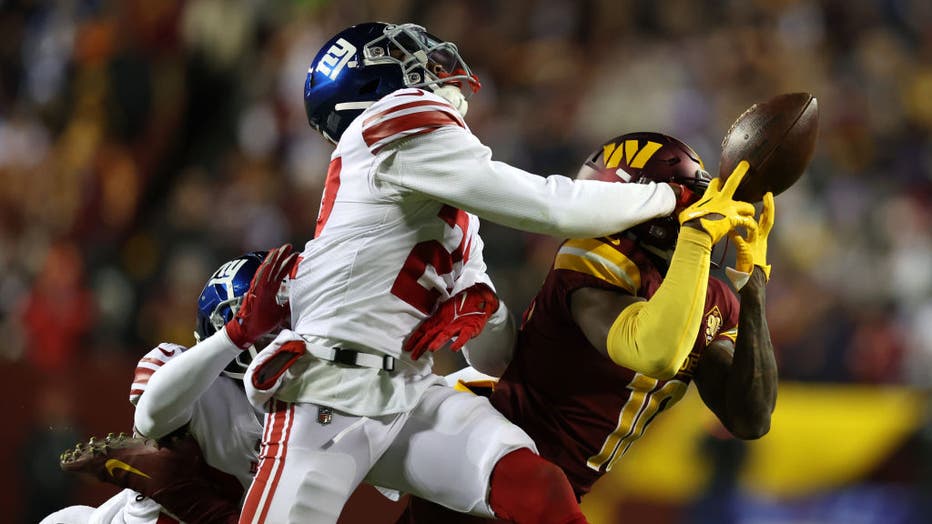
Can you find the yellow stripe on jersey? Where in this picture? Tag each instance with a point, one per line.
(731, 334)
(471, 386)
(596, 258)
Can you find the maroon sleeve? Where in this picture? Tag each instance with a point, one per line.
(722, 296)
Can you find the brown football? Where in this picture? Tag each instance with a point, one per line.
(777, 138)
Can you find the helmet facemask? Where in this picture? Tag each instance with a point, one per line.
(425, 60)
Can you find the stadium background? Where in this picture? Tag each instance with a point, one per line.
(143, 143)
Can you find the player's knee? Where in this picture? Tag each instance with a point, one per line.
(525, 466)
(546, 479)
(324, 490)
(528, 488)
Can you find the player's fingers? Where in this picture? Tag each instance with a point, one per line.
(420, 347)
(284, 267)
(738, 239)
(744, 208)
(459, 342)
(427, 333)
(747, 222)
(262, 273)
(768, 213)
(415, 338)
(735, 178)
(281, 253)
(442, 338)
(713, 186)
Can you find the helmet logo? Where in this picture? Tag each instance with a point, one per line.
(336, 58)
(225, 274)
(634, 155)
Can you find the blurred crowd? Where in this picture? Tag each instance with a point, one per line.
(143, 143)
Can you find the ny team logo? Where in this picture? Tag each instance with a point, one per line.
(224, 276)
(336, 58)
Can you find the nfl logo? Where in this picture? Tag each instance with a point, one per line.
(324, 415)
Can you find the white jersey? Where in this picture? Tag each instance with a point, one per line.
(220, 419)
(187, 390)
(126, 507)
(397, 233)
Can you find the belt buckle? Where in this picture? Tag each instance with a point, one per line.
(344, 356)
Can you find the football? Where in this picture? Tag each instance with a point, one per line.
(777, 138)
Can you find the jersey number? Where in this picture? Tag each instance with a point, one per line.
(642, 405)
(331, 186)
(422, 293)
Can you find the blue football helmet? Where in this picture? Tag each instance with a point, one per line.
(365, 62)
(220, 300)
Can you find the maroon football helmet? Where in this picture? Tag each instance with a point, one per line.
(649, 157)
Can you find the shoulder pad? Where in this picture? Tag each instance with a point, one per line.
(405, 113)
(148, 364)
(601, 259)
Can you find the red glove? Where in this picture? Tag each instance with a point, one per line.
(462, 317)
(685, 197)
(260, 312)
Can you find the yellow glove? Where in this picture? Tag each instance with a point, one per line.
(753, 250)
(717, 212)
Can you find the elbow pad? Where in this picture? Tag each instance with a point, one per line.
(655, 337)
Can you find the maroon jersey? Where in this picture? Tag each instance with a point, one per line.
(583, 410)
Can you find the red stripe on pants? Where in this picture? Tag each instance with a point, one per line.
(274, 428)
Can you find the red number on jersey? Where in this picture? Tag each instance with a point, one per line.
(331, 186)
(432, 253)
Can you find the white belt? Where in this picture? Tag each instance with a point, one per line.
(351, 357)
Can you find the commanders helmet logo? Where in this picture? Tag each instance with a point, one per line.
(634, 155)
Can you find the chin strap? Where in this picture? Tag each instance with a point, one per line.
(453, 95)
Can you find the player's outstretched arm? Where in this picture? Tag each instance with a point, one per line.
(172, 390)
(654, 337)
(452, 166)
(739, 384)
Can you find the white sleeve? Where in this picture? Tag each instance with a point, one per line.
(490, 352)
(452, 166)
(168, 401)
(474, 270)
